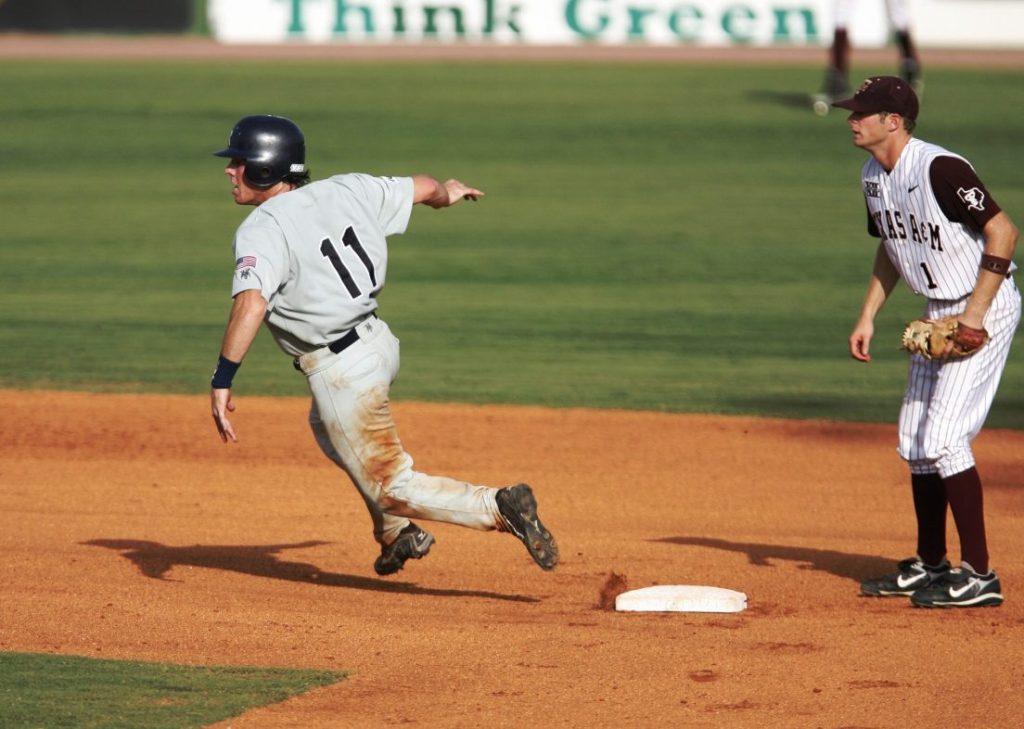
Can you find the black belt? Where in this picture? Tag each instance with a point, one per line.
(340, 345)
(348, 339)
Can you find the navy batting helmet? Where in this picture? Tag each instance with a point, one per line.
(272, 146)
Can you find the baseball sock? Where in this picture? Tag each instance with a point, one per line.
(906, 45)
(967, 504)
(930, 507)
(841, 51)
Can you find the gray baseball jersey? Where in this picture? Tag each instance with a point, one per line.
(319, 255)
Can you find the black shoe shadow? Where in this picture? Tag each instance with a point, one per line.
(155, 560)
(851, 566)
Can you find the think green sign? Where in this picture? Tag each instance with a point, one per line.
(588, 20)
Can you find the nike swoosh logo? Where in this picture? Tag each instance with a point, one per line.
(955, 592)
(911, 189)
(903, 584)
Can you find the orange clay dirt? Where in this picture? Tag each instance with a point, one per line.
(130, 531)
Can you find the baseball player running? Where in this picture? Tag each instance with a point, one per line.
(944, 235)
(310, 261)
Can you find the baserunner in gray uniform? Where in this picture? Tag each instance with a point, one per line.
(310, 261)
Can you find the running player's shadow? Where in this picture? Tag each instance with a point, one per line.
(155, 560)
(851, 566)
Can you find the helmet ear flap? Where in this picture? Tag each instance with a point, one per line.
(260, 175)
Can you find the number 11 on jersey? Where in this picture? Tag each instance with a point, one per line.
(350, 240)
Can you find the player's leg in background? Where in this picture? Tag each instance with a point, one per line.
(836, 84)
(910, 62)
(837, 73)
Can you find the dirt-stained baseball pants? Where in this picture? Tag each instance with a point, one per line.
(352, 423)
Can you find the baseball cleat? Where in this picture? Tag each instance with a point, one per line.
(518, 509)
(412, 543)
(913, 575)
(961, 587)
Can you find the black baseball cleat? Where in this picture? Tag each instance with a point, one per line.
(518, 509)
(913, 575)
(412, 543)
(961, 587)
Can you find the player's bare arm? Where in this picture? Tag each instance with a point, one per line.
(247, 312)
(430, 191)
(1000, 243)
(883, 280)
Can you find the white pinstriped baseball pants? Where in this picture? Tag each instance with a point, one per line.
(352, 423)
(946, 402)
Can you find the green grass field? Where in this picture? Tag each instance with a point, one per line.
(55, 692)
(669, 237)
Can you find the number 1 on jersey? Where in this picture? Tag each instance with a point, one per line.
(928, 275)
(350, 240)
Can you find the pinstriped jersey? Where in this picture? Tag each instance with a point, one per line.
(319, 255)
(937, 256)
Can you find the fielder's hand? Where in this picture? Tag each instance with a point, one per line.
(966, 340)
(945, 338)
(221, 405)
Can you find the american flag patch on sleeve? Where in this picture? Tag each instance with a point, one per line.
(245, 262)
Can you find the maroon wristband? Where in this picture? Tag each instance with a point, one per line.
(995, 264)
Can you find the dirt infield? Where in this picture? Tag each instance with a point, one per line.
(129, 531)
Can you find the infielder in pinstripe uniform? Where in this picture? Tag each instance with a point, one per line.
(310, 261)
(947, 239)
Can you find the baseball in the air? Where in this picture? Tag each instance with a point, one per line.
(820, 107)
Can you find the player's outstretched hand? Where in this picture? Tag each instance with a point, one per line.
(459, 191)
(221, 405)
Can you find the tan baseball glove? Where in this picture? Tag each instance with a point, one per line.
(929, 337)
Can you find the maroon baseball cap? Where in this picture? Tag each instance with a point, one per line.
(883, 93)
